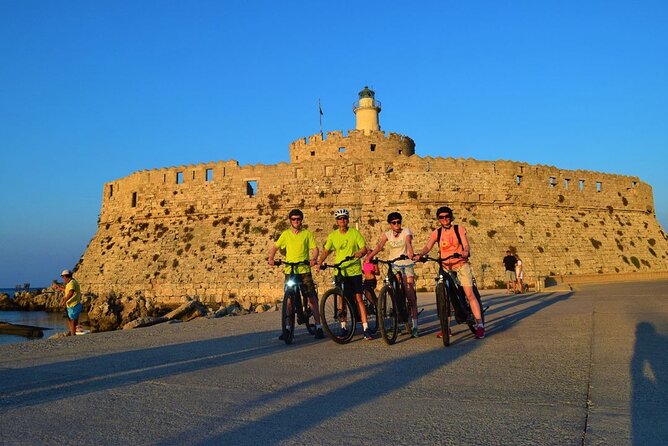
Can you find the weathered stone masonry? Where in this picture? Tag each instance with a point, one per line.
(205, 229)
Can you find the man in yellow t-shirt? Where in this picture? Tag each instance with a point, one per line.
(299, 245)
(71, 300)
(348, 242)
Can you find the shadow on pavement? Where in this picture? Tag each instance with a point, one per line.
(363, 386)
(55, 381)
(649, 398)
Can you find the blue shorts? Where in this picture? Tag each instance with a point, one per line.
(74, 312)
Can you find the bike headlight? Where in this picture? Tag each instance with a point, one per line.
(290, 283)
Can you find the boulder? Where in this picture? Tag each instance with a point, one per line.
(188, 311)
(7, 304)
(113, 311)
(144, 322)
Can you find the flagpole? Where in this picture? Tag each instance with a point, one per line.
(320, 112)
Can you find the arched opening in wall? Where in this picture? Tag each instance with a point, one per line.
(193, 175)
(599, 185)
(373, 147)
(111, 190)
(134, 199)
(553, 182)
(179, 177)
(342, 149)
(634, 183)
(400, 151)
(582, 185)
(251, 188)
(518, 179)
(209, 175)
(566, 182)
(164, 177)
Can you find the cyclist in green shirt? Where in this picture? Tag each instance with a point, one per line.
(347, 242)
(299, 245)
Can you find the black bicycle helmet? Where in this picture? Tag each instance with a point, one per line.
(296, 212)
(445, 210)
(393, 216)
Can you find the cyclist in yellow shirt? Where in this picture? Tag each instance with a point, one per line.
(299, 245)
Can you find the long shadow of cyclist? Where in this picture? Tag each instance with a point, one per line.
(362, 386)
(649, 398)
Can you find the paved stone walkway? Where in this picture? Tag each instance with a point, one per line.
(587, 366)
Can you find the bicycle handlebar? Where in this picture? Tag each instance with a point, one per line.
(337, 265)
(389, 262)
(280, 262)
(439, 260)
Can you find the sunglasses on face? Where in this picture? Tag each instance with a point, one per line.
(395, 222)
(342, 218)
(444, 216)
(295, 219)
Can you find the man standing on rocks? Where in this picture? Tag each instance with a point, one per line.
(299, 245)
(510, 261)
(71, 300)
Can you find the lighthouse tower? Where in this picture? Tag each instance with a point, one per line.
(366, 111)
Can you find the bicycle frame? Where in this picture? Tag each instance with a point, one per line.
(298, 300)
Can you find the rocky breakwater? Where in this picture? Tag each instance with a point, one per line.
(6, 303)
(115, 311)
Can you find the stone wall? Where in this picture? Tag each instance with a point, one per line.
(360, 144)
(205, 229)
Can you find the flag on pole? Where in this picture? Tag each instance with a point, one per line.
(321, 113)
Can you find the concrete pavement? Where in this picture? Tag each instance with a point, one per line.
(587, 366)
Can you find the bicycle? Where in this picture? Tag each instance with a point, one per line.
(294, 303)
(339, 313)
(450, 298)
(393, 306)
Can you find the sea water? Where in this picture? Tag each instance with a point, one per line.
(54, 322)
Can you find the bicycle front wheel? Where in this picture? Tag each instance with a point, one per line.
(371, 310)
(337, 316)
(443, 307)
(288, 317)
(388, 321)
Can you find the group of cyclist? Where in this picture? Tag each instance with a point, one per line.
(299, 245)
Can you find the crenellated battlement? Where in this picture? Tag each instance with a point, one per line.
(364, 144)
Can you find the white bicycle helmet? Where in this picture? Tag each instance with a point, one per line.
(342, 213)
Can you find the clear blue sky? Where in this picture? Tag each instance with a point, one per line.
(91, 91)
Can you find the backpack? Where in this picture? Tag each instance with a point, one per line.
(459, 237)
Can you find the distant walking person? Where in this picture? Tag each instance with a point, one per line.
(509, 261)
(519, 272)
(71, 300)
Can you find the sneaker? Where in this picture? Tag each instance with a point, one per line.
(414, 333)
(440, 334)
(368, 335)
(343, 333)
(480, 332)
(319, 334)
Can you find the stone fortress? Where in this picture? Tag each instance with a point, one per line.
(204, 229)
